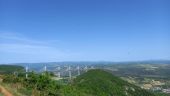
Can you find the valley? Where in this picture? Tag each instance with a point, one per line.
(70, 78)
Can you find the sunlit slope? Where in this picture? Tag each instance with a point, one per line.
(101, 83)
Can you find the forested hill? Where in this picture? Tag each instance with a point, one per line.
(101, 83)
(10, 68)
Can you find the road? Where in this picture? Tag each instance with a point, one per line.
(4, 91)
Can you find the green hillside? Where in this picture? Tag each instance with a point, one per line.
(91, 83)
(4, 69)
(101, 83)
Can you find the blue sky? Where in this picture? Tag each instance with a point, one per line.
(84, 30)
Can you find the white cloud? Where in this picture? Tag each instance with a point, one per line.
(14, 44)
(19, 38)
(28, 49)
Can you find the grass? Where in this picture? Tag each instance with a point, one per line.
(1, 94)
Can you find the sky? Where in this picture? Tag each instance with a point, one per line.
(84, 30)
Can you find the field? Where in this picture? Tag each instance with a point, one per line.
(153, 77)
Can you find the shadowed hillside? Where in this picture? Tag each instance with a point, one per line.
(5, 69)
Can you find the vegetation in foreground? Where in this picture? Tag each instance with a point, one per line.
(91, 83)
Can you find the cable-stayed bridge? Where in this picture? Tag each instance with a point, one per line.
(65, 71)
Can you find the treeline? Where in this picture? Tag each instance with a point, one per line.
(8, 69)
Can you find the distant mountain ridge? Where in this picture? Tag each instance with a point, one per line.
(98, 62)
